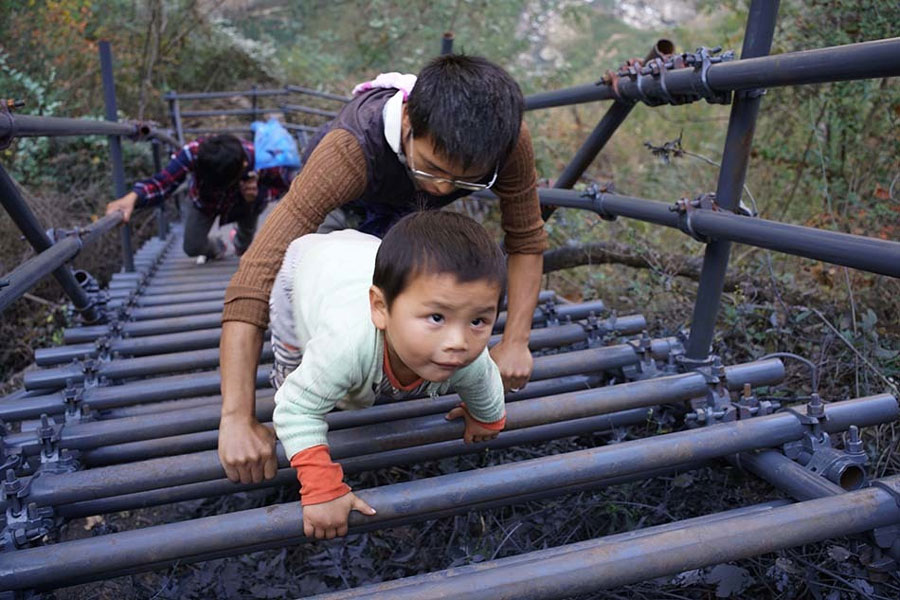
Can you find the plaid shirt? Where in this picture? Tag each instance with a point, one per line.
(272, 183)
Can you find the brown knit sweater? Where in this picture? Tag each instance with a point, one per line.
(336, 174)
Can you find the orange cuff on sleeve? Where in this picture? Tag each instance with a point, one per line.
(495, 426)
(321, 480)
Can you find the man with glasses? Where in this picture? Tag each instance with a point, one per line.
(402, 144)
(223, 185)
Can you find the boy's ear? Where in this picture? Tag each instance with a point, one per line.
(378, 306)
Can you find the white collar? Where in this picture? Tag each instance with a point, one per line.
(392, 113)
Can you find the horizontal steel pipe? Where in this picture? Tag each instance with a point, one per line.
(139, 392)
(177, 305)
(869, 254)
(210, 279)
(359, 464)
(236, 532)
(611, 357)
(225, 94)
(535, 557)
(16, 126)
(116, 480)
(573, 311)
(610, 562)
(289, 108)
(126, 368)
(865, 60)
(159, 290)
(111, 454)
(208, 320)
(132, 347)
(109, 432)
(316, 93)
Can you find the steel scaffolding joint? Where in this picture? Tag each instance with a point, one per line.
(595, 193)
(686, 208)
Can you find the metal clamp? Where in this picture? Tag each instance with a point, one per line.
(76, 410)
(895, 493)
(702, 60)
(30, 526)
(48, 434)
(595, 193)
(594, 331)
(685, 209)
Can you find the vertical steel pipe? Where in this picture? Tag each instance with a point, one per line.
(161, 225)
(115, 147)
(447, 43)
(732, 173)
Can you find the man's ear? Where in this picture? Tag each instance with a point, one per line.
(378, 307)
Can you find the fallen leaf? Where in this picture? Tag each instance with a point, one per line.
(838, 553)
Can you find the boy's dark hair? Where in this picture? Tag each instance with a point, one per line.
(437, 242)
(220, 163)
(471, 108)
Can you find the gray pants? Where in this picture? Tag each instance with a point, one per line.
(288, 354)
(196, 233)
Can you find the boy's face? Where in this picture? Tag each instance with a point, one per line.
(436, 325)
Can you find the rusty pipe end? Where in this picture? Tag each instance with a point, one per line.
(661, 49)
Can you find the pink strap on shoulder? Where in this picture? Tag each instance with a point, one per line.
(394, 80)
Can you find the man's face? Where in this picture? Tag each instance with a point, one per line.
(421, 156)
(436, 326)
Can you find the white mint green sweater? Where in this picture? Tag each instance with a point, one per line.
(343, 352)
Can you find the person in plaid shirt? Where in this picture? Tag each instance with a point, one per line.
(223, 185)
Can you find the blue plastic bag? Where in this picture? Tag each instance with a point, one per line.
(274, 145)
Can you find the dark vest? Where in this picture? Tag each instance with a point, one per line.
(390, 193)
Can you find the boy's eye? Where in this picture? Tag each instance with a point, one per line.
(436, 318)
(479, 322)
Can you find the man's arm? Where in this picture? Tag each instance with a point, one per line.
(525, 242)
(245, 446)
(512, 354)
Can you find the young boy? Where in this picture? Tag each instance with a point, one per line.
(408, 316)
(224, 185)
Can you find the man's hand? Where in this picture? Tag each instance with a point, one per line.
(329, 519)
(125, 204)
(475, 432)
(246, 449)
(515, 363)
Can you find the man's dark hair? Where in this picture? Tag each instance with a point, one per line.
(470, 107)
(437, 242)
(220, 163)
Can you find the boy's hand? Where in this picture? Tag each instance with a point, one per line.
(327, 520)
(475, 432)
(125, 204)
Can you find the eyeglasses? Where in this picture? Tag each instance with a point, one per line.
(463, 185)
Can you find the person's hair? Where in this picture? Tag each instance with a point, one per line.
(437, 242)
(470, 108)
(220, 163)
